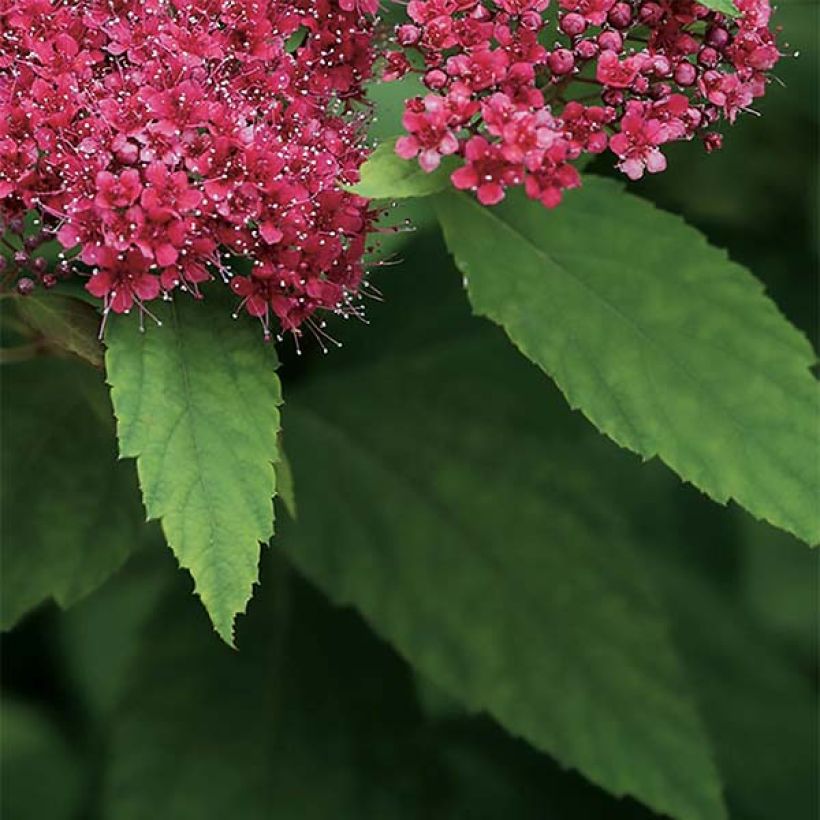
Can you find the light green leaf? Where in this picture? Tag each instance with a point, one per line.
(437, 499)
(65, 322)
(196, 402)
(388, 100)
(386, 175)
(70, 512)
(726, 7)
(658, 338)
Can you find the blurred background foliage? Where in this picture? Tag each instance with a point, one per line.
(126, 706)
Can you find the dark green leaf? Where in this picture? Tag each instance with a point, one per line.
(756, 696)
(760, 707)
(70, 512)
(310, 719)
(316, 717)
(65, 322)
(40, 777)
(435, 497)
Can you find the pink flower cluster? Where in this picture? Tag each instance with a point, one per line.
(626, 76)
(162, 140)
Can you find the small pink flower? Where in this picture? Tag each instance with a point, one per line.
(486, 172)
(117, 191)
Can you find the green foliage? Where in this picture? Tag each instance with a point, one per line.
(66, 323)
(502, 573)
(386, 175)
(388, 104)
(318, 718)
(447, 490)
(196, 404)
(70, 514)
(40, 778)
(535, 576)
(304, 720)
(663, 343)
(726, 7)
(780, 584)
(765, 740)
(739, 672)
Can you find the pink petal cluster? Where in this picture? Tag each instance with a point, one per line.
(163, 140)
(519, 101)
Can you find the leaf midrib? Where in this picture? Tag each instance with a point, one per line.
(190, 411)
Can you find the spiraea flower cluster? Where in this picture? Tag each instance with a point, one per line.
(161, 141)
(519, 89)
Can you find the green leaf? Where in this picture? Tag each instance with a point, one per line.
(70, 512)
(66, 323)
(726, 7)
(388, 100)
(196, 402)
(312, 719)
(40, 777)
(658, 338)
(286, 490)
(386, 175)
(757, 701)
(101, 635)
(780, 585)
(317, 718)
(760, 710)
(434, 496)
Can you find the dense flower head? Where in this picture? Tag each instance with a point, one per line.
(161, 141)
(520, 89)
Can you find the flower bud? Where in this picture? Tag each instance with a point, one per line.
(586, 49)
(408, 35)
(561, 61)
(25, 286)
(573, 24)
(661, 65)
(531, 20)
(650, 14)
(640, 85)
(620, 15)
(435, 79)
(685, 74)
(712, 141)
(717, 37)
(610, 41)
